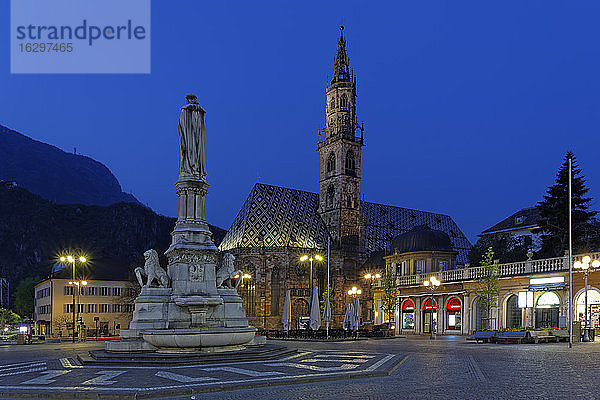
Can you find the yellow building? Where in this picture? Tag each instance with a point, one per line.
(105, 305)
(532, 293)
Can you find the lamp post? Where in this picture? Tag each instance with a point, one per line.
(432, 283)
(311, 258)
(370, 277)
(72, 259)
(585, 266)
(354, 293)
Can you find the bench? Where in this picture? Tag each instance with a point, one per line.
(543, 336)
(484, 336)
(510, 336)
(562, 335)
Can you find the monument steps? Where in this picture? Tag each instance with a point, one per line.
(251, 353)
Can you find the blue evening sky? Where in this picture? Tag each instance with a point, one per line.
(469, 106)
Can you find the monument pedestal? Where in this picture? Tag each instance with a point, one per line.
(192, 314)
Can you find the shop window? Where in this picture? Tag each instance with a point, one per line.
(546, 313)
(513, 312)
(454, 314)
(593, 302)
(408, 315)
(429, 316)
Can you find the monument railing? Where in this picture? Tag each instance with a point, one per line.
(529, 267)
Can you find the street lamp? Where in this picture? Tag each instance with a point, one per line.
(370, 277)
(432, 283)
(72, 259)
(311, 258)
(586, 267)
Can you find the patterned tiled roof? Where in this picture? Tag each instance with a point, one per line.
(274, 216)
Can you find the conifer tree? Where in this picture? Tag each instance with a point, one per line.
(554, 213)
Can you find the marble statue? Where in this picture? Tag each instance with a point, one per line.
(226, 273)
(152, 270)
(192, 125)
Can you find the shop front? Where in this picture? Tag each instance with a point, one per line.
(547, 310)
(454, 314)
(429, 316)
(593, 304)
(408, 315)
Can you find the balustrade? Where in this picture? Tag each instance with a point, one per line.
(546, 265)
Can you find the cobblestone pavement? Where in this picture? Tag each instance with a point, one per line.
(447, 368)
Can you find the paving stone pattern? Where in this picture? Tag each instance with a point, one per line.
(448, 368)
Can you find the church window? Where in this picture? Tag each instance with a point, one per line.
(350, 163)
(349, 201)
(332, 104)
(330, 194)
(343, 101)
(331, 162)
(248, 287)
(275, 291)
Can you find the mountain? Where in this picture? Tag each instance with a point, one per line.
(34, 232)
(56, 175)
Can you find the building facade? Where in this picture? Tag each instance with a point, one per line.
(102, 306)
(523, 226)
(532, 294)
(276, 225)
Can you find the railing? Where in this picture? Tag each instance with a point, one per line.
(529, 267)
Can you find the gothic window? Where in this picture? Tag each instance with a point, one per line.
(332, 104)
(350, 163)
(330, 194)
(343, 101)
(248, 288)
(331, 162)
(349, 201)
(275, 291)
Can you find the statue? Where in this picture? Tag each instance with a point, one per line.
(192, 125)
(152, 270)
(227, 273)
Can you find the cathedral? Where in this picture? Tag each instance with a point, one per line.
(277, 226)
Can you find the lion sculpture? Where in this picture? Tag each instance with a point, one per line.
(152, 270)
(226, 274)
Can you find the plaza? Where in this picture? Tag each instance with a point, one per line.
(411, 367)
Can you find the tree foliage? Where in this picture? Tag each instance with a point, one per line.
(488, 284)
(7, 317)
(554, 214)
(389, 300)
(507, 249)
(24, 296)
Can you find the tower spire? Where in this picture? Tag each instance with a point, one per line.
(341, 70)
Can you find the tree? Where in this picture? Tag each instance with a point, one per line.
(389, 300)
(322, 302)
(488, 285)
(24, 296)
(554, 213)
(7, 317)
(507, 248)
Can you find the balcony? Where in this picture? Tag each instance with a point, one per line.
(530, 267)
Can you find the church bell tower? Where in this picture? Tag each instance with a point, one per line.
(340, 154)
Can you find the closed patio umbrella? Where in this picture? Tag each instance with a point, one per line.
(347, 319)
(327, 314)
(357, 314)
(286, 317)
(315, 313)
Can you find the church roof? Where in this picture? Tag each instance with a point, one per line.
(274, 216)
